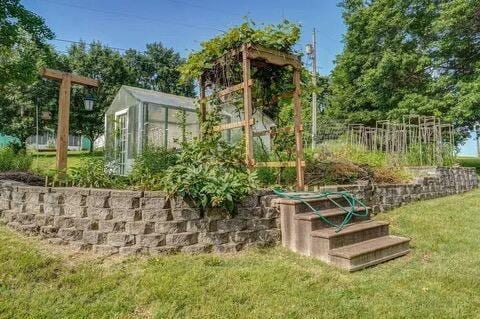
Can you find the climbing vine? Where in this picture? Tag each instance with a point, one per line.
(281, 37)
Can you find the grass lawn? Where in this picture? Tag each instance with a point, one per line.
(470, 162)
(43, 162)
(439, 279)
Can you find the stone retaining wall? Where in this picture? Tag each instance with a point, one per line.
(429, 182)
(129, 222)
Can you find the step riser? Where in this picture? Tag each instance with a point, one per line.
(320, 205)
(321, 246)
(372, 258)
(357, 237)
(296, 234)
(287, 226)
(337, 220)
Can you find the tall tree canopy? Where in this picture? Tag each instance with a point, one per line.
(157, 69)
(23, 50)
(22, 40)
(411, 56)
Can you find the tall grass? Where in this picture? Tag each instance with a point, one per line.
(13, 161)
(422, 154)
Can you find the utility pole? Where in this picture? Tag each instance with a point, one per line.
(312, 52)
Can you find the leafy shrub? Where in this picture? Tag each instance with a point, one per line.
(14, 161)
(149, 168)
(92, 173)
(211, 172)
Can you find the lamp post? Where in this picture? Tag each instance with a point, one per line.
(66, 81)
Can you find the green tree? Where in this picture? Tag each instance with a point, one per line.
(105, 64)
(23, 50)
(23, 36)
(384, 58)
(18, 102)
(157, 69)
(404, 57)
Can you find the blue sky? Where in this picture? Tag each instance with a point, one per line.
(183, 24)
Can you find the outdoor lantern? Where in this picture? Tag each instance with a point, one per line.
(46, 116)
(88, 103)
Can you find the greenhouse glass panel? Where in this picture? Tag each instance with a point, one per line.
(155, 125)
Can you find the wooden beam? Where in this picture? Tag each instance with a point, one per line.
(234, 88)
(275, 131)
(75, 79)
(273, 56)
(227, 91)
(279, 164)
(63, 124)
(229, 126)
(247, 104)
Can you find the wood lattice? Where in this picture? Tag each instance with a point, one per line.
(250, 55)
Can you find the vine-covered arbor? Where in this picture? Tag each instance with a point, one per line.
(232, 74)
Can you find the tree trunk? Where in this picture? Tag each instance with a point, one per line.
(91, 144)
(23, 144)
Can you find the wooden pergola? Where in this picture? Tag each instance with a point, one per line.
(252, 55)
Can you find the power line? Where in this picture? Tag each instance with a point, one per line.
(233, 14)
(80, 42)
(127, 15)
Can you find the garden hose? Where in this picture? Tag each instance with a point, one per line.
(351, 199)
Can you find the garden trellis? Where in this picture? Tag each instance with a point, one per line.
(231, 74)
(426, 136)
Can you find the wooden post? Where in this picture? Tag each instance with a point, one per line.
(203, 103)
(63, 124)
(66, 80)
(298, 130)
(247, 104)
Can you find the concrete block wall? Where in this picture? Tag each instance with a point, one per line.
(130, 222)
(429, 182)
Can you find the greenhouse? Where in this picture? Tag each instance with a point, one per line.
(138, 118)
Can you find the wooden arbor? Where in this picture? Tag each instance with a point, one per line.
(252, 55)
(66, 80)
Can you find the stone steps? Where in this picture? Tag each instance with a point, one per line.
(306, 223)
(370, 252)
(362, 243)
(327, 239)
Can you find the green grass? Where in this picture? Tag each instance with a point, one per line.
(44, 162)
(439, 279)
(470, 162)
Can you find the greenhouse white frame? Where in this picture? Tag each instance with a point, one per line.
(138, 118)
